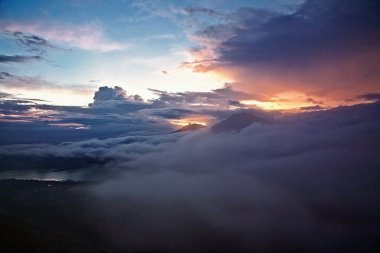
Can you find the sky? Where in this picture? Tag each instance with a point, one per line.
(283, 97)
(188, 46)
(134, 44)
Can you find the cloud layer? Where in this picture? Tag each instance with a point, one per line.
(306, 182)
(112, 113)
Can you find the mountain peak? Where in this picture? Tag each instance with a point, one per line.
(237, 122)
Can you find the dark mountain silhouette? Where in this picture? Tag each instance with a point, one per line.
(237, 122)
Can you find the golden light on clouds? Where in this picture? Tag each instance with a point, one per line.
(64, 97)
(283, 101)
(202, 120)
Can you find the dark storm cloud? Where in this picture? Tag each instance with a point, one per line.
(318, 27)
(19, 58)
(327, 48)
(238, 19)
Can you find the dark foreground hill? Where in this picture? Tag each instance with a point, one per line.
(46, 216)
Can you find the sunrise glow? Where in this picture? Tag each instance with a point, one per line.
(229, 126)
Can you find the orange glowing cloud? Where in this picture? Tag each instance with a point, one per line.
(310, 54)
(333, 82)
(197, 119)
